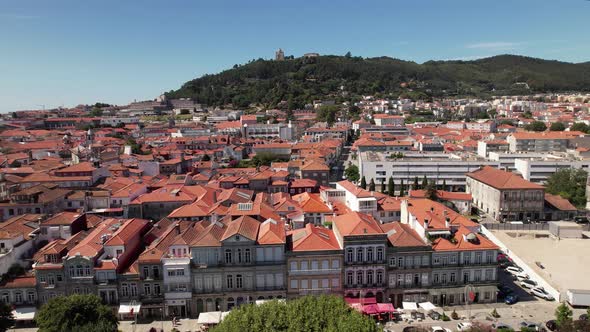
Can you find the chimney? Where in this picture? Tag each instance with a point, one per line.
(447, 222)
(432, 209)
(177, 227)
(425, 223)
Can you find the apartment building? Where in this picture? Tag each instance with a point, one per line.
(505, 196)
(314, 262)
(541, 141)
(436, 166)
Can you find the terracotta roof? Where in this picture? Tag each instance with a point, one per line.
(245, 226)
(402, 235)
(313, 238)
(81, 167)
(501, 179)
(62, 218)
(357, 191)
(462, 242)
(272, 232)
(311, 203)
(559, 202)
(436, 214)
(356, 223)
(130, 229)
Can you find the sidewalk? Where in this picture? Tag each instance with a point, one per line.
(183, 325)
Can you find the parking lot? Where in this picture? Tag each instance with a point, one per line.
(565, 262)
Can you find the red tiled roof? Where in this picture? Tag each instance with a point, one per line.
(559, 202)
(313, 238)
(501, 179)
(355, 223)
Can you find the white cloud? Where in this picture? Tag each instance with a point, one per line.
(495, 46)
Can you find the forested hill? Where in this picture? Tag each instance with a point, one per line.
(299, 81)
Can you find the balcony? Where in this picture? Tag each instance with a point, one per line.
(175, 295)
(314, 272)
(365, 286)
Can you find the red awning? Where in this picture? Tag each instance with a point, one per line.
(385, 307)
(371, 309)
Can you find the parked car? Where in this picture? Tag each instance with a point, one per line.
(542, 293)
(414, 329)
(513, 269)
(417, 315)
(505, 289)
(434, 315)
(530, 325)
(528, 283)
(502, 327)
(464, 326)
(520, 276)
(511, 299)
(551, 325)
(440, 329)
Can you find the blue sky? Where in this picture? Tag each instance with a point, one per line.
(57, 52)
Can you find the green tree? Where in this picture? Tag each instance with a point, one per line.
(76, 313)
(402, 188)
(580, 126)
(383, 187)
(372, 185)
(96, 112)
(527, 115)
(363, 183)
(563, 315)
(536, 126)
(6, 317)
(309, 313)
(327, 113)
(415, 186)
(444, 185)
(206, 158)
(557, 126)
(430, 189)
(570, 184)
(424, 182)
(391, 187)
(352, 173)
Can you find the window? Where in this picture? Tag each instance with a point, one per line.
(124, 289)
(325, 264)
(369, 254)
(146, 272)
(408, 279)
(304, 284)
(228, 256)
(435, 278)
(467, 259)
(294, 283)
(370, 277)
(443, 278)
(490, 257)
(359, 255)
(380, 254)
(400, 279)
(477, 276)
(489, 275)
(453, 277)
(359, 278)
(379, 277)
(425, 260)
(293, 266)
(147, 289)
(349, 278)
(59, 277)
(247, 256)
(156, 272)
(392, 262)
(335, 264)
(486, 295)
(400, 262)
(435, 260)
(31, 297)
(18, 297)
(239, 255)
(478, 258)
(230, 281)
(349, 255)
(453, 259)
(304, 266)
(314, 265)
(239, 281)
(133, 289)
(87, 269)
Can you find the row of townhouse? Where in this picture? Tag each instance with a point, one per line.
(184, 267)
